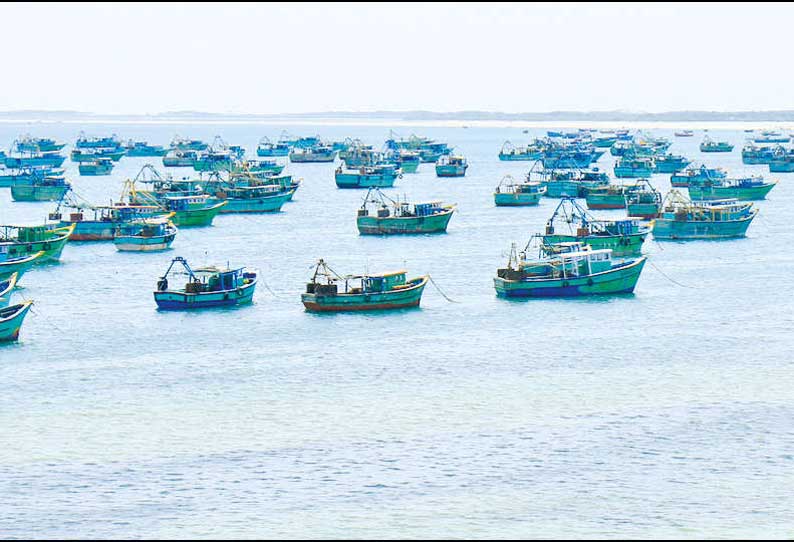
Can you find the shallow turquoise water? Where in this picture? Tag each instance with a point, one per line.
(665, 413)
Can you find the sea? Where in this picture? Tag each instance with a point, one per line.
(666, 413)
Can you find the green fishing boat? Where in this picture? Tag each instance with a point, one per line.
(11, 319)
(571, 223)
(683, 219)
(715, 146)
(391, 216)
(567, 270)
(41, 189)
(644, 202)
(21, 241)
(367, 292)
(18, 265)
(612, 196)
(745, 189)
(509, 193)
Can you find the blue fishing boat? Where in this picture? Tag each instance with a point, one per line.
(145, 235)
(306, 142)
(566, 270)
(707, 145)
(142, 148)
(265, 198)
(682, 180)
(101, 226)
(6, 287)
(180, 158)
(51, 159)
(771, 136)
(84, 142)
(684, 133)
(369, 292)
(11, 319)
(380, 176)
(753, 154)
(514, 154)
(41, 189)
(683, 219)
(509, 193)
(670, 163)
(206, 287)
(97, 167)
(319, 153)
(215, 160)
(266, 148)
(10, 177)
(632, 167)
(570, 182)
(186, 144)
(451, 166)
(782, 161)
(29, 144)
(575, 159)
(89, 155)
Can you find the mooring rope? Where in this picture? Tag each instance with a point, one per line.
(445, 296)
(669, 278)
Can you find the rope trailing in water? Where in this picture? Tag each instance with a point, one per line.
(269, 289)
(668, 278)
(445, 296)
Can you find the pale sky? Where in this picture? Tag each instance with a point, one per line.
(271, 58)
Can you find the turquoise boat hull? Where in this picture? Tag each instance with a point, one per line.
(642, 210)
(520, 157)
(395, 299)
(665, 228)
(621, 279)
(781, 166)
(358, 180)
(749, 193)
(597, 201)
(262, 204)
(32, 192)
(373, 225)
(146, 151)
(451, 170)
(19, 265)
(621, 245)
(11, 319)
(519, 199)
(52, 161)
(632, 172)
(409, 166)
(179, 300)
(91, 170)
(133, 243)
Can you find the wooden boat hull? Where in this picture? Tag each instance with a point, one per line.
(11, 319)
(357, 180)
(673, 229)
(451, 171)
(197, 217)
(52, 247)
(32, 192)
(520, 199)
(18, 265)
(373, 225)
(621, 279)
(749, 193)
(397, 299)
(621, 245)
(177, 300)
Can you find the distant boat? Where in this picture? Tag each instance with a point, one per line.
(331, 292)
(320, 153)
(89, 155)
(185, 144)
(669, 163)
(683, 219)
(682, 180)
(268, 149)
(634, 167)
(180, 158)
(396, 217)
(707, 145)
(744, 189)
(102, 225)
(84, 142)
(97, 167)
(42, 189)
(509, 193)
(52, 159)
(753, 154)
(382, 176)
(11, 319)
(510, 153)
(685, 133)
(451, 166)
(566, 270)
(644, 202)
(31, 144)
(142, 148)
(206, 287)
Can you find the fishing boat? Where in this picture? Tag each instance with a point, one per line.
(771, 136)
(407, 161)
(180, 158)
(206, 287)
(644, 202)
(573, 183)
(97, 167)
(513, 154)
(670, 163)
(331, 292)
(451, 166)
(304, 142)
(10, 177)
(266, 148)
(611, 196)
(11, 319)
(320, 153)
(782, 161)
(576, 159)
(266, 198)
(753, 154)
(257, 168)
(17, 265)
(84, 142)
(682, 180)
(631, 167)
(41, 189)
(509, 193)
(707, 145)
(145, 235)
(391, 216)
(571, 223)
(567, 270)
(29, 144)
(381, 176)
(143, 149)
(52, 159)
(186, 144)
(683, 219)
(101, 226)
(685, 133)
(215, 160)
(6, 287)
(21, 241)
(92, 154)
(744, 189)
(604, 142)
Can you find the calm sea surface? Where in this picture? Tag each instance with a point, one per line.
(666, 413)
